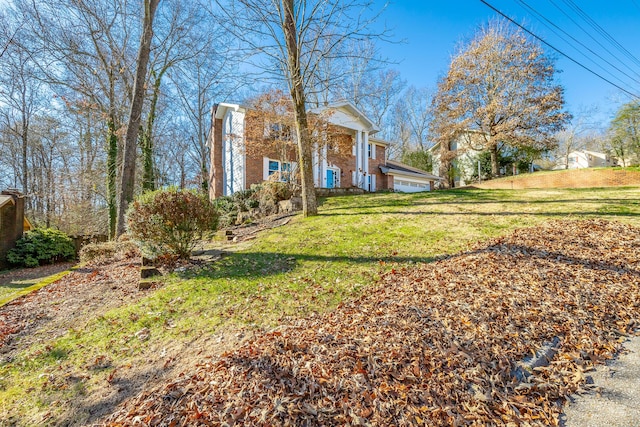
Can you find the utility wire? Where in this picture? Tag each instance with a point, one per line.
(541, 17)
(598, 42)
(558, 50)
(602, 31)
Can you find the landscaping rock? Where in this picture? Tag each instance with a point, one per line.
(146, 272)
(145, 284)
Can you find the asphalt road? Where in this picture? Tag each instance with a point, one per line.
(615, 401)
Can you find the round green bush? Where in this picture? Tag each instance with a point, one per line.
(170, 222)
(41, 246)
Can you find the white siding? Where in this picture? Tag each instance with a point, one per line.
(233, 156)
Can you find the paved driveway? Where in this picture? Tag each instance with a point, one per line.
(615, 402)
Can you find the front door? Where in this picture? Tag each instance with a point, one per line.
(330, 179)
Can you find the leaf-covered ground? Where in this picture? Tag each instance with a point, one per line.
(50, 311)
(435, 344)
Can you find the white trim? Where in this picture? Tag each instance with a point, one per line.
(373, 187)
(265, 168)
(365, 146)
(324, 165)
(358, 158)
(316, 166)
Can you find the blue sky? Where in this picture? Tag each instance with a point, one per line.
(432, 30)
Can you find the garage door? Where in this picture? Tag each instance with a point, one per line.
(406, 186)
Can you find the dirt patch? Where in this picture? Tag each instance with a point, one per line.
(249, 231)
(67, 303)
(32, 274)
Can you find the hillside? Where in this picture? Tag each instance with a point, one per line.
(85, 368)
(572, 178)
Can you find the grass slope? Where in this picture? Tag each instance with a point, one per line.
(308, 266)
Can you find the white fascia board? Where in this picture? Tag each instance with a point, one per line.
(349, 108)
(379, 141)
(221, 109)
(421, 176)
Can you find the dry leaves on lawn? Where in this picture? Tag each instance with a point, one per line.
(68, 302)
(435, 344)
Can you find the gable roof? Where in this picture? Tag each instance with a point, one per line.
(347, 107)
(396, 168)
(4, 199)
(350, 108)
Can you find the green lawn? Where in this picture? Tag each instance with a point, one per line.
(309, 265)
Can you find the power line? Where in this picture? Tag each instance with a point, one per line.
(602, 31)
(541, 17)
(558, 50)
(598, 42)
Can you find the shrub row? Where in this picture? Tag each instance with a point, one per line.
(162, 222)
(41, 246)
(259, 200)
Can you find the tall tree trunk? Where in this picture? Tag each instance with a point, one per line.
(135, 113)
(309, 202)
(445, 165)
(146, 135)
(494, 160)
(112, 170)
(25, 146)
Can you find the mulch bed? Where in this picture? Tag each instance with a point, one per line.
(436, 344)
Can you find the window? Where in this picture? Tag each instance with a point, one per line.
(277, 131)
(274, 167)
(282, 170)
(371, 151)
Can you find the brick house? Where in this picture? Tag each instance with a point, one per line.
(235, 166)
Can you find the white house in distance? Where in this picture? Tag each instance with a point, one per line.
(235, 168)
(464, 164)
(583, 159)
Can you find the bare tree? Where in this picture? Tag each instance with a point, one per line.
(127, 178)
(87, 62)
(576, 136)
(296, 37)
(501, 86)
(21, 97)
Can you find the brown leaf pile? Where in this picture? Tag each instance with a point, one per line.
(435, 344)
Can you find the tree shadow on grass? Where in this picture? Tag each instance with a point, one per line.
(564, 214)
(252, 265)
(91, 410)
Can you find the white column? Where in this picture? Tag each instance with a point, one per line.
(314, 156)
(358, 158)
(366, 151)
(323, 169)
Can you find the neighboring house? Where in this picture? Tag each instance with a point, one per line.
(465, 163)
(583, 159)
(12, 222)
(236, 164)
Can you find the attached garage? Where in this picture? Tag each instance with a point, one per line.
(407, 179)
